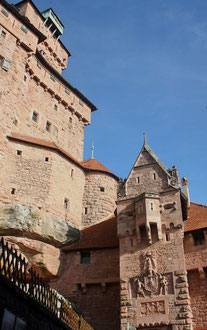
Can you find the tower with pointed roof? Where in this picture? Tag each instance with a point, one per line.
(154, 288)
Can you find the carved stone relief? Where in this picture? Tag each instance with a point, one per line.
(150, 282)
(152, 308)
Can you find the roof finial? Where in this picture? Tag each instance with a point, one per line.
(145, 139)
(92, 151)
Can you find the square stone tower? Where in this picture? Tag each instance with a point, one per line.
(154, 289)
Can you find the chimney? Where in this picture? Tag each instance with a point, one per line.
(185, 189)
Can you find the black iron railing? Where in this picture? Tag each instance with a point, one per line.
(14, 267)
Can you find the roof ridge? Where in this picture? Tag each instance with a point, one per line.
(199, 204)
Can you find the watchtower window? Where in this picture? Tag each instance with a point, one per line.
(85, 257)
(46, 159)
(85, 210)
(154, 176)
(198, 237)
(151, 206)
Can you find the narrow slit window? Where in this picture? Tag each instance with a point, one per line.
(55, 107)
(167, 237)
(81, 102)
(52, 77)
(85, 210)
(151, 206)
(138, 179)
(154, 176)
(66, 203)
(39, 65)
(131, 242)
(24, 28)
(72, 173)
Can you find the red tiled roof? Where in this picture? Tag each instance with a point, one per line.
(100, 235)
(197, 217)
(89, 164)
(94, 165)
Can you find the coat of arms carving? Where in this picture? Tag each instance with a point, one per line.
(150, 282)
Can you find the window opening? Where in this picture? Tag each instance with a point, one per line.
(4, 11)
(66, 203)
(55, 131)
(39, 65)
(152, 206)
(55, 106)
(81, 102)
(5, 64)
(15, 122)
(72, 172)
(13, 191)
(131, 242)
(138, 179)
(19, 152)
(70, 119)
(24, 28)
(154, 176)
(35, 116)
(85, 210)
(102, 189)
(48, 126)
(46, 159)
(67, 90)
(85, 257)
(52, 77)
(167, 237)
(3, 34)
(198, 237)
(154, 232)
(25, 78)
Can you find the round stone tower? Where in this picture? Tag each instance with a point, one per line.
(100, 193)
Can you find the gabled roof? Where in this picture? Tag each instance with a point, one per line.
(152, 154)
(98, 236)
(95, 165)
(197, 217)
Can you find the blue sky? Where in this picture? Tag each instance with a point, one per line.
(143, 63)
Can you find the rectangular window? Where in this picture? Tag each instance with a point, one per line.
(13, 191)
(198, 236)
(24, 28)
(85, 210)
(15, 122)
(72, 172)
(70, 120)
(5, 12)
(151, 206)
(81, 102)
(46, 159)
(55, 107)
(19, 152)
(6, 64)
(67, 90)
(102, 189)
(48, 126)
(1, 61)
(138, 180)
(85, 257)
(3, 34)
(52, 77)
(154, 176)
(35, 116)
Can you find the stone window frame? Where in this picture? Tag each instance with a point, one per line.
(4, 63)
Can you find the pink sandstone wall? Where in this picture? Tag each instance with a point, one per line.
(100, 204)
(93, 287)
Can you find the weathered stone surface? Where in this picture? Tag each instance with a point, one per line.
(21, 220)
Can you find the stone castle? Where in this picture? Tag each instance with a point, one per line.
(131, 255)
